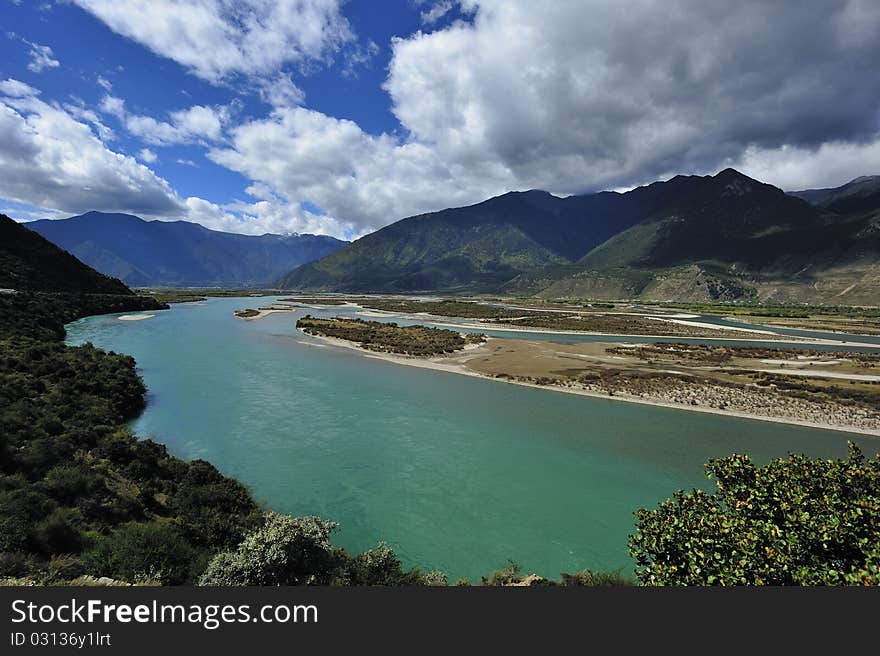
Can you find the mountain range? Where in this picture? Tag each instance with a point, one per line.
(725, 237)
(29, 262)
(180, 254)
(691, 238)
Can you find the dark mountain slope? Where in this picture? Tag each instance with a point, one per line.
(480, 247)
(859, 195)
(154, 253)
(732, 238)
(29, 262)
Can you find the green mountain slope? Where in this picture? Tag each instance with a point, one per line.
(29, 262)
(733, 238)
(697, 238)
(483, 246)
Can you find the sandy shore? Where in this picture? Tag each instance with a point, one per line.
(135, 317)
(459, 368)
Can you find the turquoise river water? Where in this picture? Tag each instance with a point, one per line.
(455, 473)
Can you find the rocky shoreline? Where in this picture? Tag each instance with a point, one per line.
(752, 400)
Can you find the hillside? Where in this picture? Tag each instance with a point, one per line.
(28, 262)
(859, 195)
(732, 238)
(692, 238)
(482, 246)
(178, 254)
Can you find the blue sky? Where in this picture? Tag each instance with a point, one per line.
(341, 117)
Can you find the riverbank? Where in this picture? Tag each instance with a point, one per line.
(676, 391)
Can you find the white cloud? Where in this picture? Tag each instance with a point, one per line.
(51, 160)
(79, 111)
(281, 92)
(17, 89)
(437, 11)
(147, 155)
(195, 124)
(830, 165)
(217, 38)
(41, 58)
(300, 155)
(571, 96)
(261, 217)
(105, 84)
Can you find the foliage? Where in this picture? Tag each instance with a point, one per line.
(794, 521)
(283, 551)
(143, 552)
(389, 337)
(511, 576)
(297, 551)
(75, 484)
(444, 308)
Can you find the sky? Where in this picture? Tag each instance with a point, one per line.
(335, 117)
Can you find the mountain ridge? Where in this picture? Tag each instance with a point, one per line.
(30, 262)
(705, 238)
(179, 253)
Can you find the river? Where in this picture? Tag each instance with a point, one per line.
(455, 473)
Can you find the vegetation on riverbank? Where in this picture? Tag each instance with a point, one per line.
(389, 337)
(444, 308)
(794, 521)
(192, 295)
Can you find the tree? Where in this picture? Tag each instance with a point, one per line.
(794, 521)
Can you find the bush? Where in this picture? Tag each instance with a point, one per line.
(139, 553)
(589, 578)
(66, 568)
(381, 566)
(283, 551)
(59, 533)
(794, 521)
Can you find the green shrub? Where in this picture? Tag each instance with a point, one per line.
(794, 521)
(380, 566)
(589, 578)
(139, 552)
(283, 551)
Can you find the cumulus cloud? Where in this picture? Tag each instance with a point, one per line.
(147, 155)
(300, 155)
(263, 216)
(830, 165)
(281, 92)
(216, 39)
(578, 96)
(51, 160)
(197, 123)
(41, 58)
